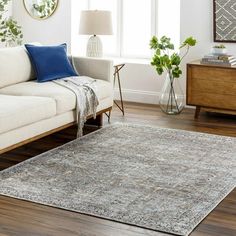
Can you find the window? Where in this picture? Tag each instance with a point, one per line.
(136, 28)
(169, 20)
(134, 23)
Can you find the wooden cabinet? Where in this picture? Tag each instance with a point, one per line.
(211, 87)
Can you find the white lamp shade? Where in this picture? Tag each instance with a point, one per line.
(95, 23)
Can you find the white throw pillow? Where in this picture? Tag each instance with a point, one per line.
(15, 66)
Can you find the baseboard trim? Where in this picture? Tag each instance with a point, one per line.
(138, 96)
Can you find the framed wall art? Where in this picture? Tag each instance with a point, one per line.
(224, 20)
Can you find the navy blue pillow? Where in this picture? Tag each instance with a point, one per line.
(50, 62)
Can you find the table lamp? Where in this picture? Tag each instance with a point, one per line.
(95, 22)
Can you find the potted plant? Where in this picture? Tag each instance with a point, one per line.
(219, 49)
(10, 31)
(166, 59)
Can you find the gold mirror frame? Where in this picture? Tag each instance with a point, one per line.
(43, 17)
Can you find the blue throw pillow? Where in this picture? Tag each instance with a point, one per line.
(50, 62)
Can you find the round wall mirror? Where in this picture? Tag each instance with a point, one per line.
(40, 9)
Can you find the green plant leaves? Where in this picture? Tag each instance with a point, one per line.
(154, 43)
(165, 58)
(189, 42)
(3, 5)
(220, 46)
(176, 72)
(175, 59)
(10, 31)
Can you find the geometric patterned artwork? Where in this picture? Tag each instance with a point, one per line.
(225, 20)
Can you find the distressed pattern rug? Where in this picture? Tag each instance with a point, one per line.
(161, 179)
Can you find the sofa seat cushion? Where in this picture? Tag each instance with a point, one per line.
(15, 66)
(18, 111)
(65, 98)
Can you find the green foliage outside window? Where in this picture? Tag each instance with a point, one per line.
(45, 8)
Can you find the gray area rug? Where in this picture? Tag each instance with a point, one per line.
(161, 179)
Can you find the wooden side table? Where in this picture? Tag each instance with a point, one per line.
(211, 87)
(116, 74)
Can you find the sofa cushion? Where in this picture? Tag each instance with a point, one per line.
(50, 62)
(18, 111)
(15, 66)
(65, 98)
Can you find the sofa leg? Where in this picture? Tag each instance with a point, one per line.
(96, 122)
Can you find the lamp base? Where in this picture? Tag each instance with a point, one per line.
(94, 47)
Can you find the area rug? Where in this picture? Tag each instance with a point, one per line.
(161, 179)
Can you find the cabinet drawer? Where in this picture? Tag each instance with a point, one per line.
(213, 74)
(213, 87)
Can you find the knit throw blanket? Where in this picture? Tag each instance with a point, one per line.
(85, 91)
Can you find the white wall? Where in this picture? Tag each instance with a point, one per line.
(9, 12)
(140, 83)
(54, 30)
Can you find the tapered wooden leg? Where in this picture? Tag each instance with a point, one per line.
(108, 114)
(197, 112)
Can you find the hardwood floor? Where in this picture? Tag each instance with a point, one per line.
(24, 218)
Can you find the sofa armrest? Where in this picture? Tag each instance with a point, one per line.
(94, 67)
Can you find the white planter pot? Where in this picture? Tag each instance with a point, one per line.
(219, 51)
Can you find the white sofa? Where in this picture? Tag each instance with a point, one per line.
(31, 110)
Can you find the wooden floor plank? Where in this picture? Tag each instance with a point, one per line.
(25, 218)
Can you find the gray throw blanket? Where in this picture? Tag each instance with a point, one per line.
(85, 91)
